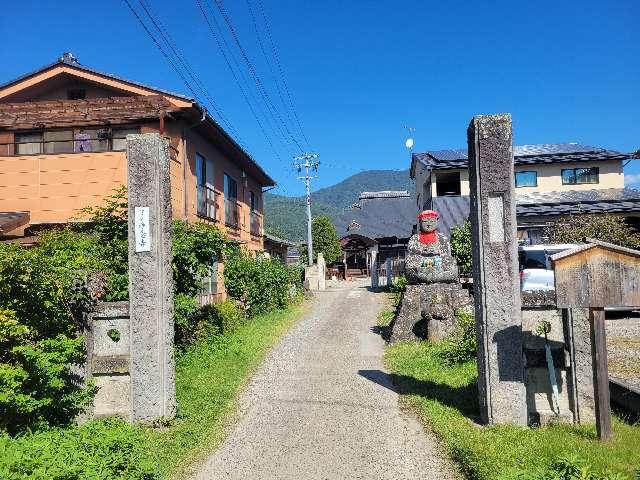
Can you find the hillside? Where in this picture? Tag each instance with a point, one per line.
(287, 215)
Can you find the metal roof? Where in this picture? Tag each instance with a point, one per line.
(523, 155)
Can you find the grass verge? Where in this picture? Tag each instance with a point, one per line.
(209, 376)
(445, 397)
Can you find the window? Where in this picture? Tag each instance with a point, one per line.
(28, 143)
(209, 282)
(205, 187)
(577, 176)
(119, 137)
(58, 141)
(94, 139)
(252, 201)
(448, 184)
(527, 179)
(230, 199)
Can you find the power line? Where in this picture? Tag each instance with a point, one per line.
(165, 54)
(235, 77)
(252, 70)
(268, 62)
(189, 70)
(268, 118)
(279, 65)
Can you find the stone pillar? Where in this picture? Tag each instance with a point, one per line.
(322, 272)
(495, 271)
(373, 269)
(152, 366)
(584, 408)
(389, 272)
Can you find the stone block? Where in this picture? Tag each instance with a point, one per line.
(113, 396)
(428, 311)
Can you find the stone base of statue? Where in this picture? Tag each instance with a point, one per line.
(428, 312)
(434, 296)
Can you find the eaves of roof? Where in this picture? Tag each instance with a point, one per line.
(84, 68)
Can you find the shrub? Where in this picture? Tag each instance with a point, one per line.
(37, 387)
(259, 284)
(460, 346)
(195, 247)
(108, 449)
(185, 321)
(461, 247)
(397, 289)
(608, 228)
(222, 317)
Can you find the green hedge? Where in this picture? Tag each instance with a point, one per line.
(259, 284)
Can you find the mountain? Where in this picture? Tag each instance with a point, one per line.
(287, 216)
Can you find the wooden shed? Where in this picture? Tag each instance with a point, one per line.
(597, 275)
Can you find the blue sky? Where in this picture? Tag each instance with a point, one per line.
(359, 71)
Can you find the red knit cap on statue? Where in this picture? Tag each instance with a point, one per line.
(428, 214)
(428, 238)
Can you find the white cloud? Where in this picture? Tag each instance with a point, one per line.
(633, 179)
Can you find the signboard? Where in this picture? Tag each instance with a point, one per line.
(142, 229)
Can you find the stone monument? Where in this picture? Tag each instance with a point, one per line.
(496, 284)
(152, 366)
(434, 295)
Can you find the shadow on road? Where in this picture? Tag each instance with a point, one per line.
(463, 399)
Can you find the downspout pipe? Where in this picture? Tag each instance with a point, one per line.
(185, 159)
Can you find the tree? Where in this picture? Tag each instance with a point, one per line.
(608, 228)
(325, 239)
(461, 247)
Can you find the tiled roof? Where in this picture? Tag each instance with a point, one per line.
(454, 210)
(579, 196)
(94, 111)
(523, 155)
(611, 200)
(380, 217)
(278, 240)
(385, 194)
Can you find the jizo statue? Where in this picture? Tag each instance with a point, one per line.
(429, 257)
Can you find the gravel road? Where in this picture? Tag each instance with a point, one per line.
(321, 406)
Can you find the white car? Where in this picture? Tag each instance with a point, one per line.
(536, 272)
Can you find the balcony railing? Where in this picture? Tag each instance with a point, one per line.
(231, 213)
(256, 224)
(207, 201)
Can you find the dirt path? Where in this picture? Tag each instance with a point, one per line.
(321, 406)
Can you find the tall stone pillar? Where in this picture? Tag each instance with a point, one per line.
(150, 278)
(495, 271)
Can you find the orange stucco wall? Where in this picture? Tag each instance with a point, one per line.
(53, 188)
(195, 143)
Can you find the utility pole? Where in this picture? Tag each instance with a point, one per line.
(307, 161)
